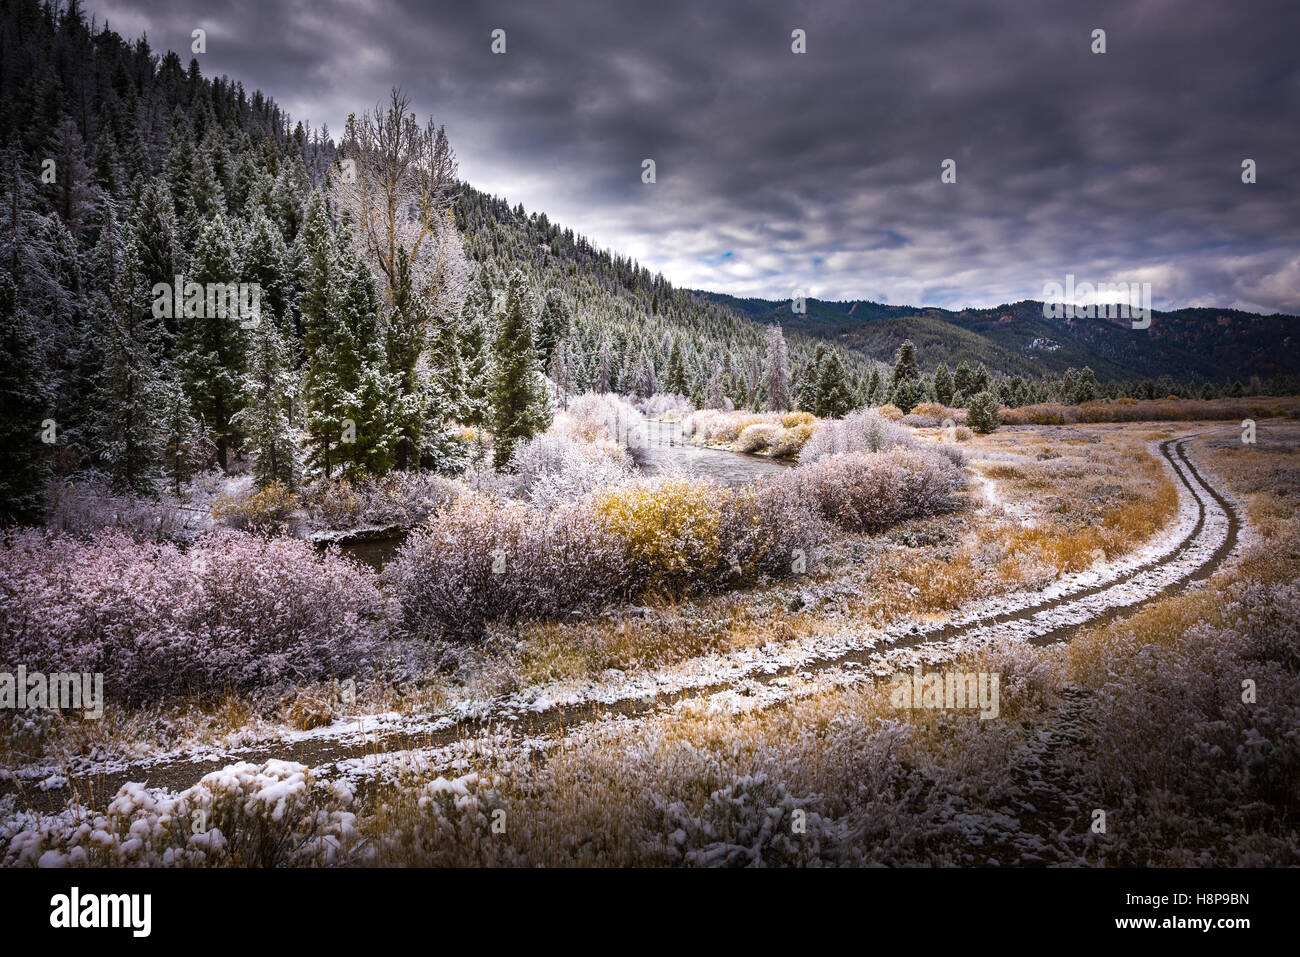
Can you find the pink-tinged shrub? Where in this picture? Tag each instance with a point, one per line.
(484, 559)
(398, 498)
(86, 508)
(864, 491)
(768, 530)
(233, 612)
(863, 431)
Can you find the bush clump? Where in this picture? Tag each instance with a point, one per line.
(863, 431)
(483, 559)
(868, 492)
(758, 437)
(234, 612)
(266, 510)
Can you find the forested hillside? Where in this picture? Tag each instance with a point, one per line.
(1203, 345)
(194, 279)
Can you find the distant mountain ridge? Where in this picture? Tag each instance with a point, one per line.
(1209, 344)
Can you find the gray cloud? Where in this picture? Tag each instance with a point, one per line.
(821, 172)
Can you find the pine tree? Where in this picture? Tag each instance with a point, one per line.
(519, 403)
(182, 441)
(906, 394)
(74, 191)
(352, 416)
(553, 325)
(676, 382)
(983, 414)
(25, 399)
(961, 381)
(1086, 388)
(605, 368)
(776, 370)
(943, 384)
(162, 258)
(128, 399)
(905, 367)
(833, 398)
(213, 339)
(716, 396)
(265, 419)
(475, 335)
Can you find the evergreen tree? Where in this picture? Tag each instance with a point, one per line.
(943, 384)
(983, 414)
(715, 397)
(1085, 389)
(265, 418)
(605, 368)
(833, 398)
(519, 403)
(158, 240)
(905, 367)
(128, 407)
(475, 336)
(25, 399)
(962, 380)
(776, 370)
(553, 326)
(213, 339)
(352, 414)
(676, 381)
(182, 439)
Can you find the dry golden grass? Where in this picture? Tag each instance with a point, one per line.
(1268, 475)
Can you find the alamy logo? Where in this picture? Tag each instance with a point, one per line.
(213, 300)
(946, 691)
(1105, 300)
(73, 910)
(55, 692)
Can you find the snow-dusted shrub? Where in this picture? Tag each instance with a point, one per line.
(593, 417)
(791, 441)
(757, 437)
(890, 412)
(950, 451)
(244, 815)
(667, 406)
(398, 498)
(87, 508)
(863, 431)
(448, 823)
(549, 469)
(751, 822)
(863, 491)
(483, 559)
(790, 420)
(268, 509)
(767, 530)
(235, 611)
(715, 426)
(1176, 747)
(668, 529)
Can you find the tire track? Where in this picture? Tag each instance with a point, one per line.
(1196, 556)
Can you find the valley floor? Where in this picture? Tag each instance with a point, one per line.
(1121, 581)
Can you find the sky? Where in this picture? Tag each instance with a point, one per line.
(819, 173)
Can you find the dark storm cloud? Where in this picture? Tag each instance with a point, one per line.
(820, 172)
